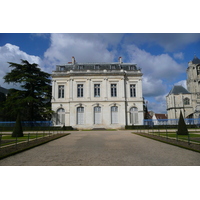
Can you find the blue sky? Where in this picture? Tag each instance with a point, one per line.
(163, 57)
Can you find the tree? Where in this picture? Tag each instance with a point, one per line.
(182, 128)
(33, 101)
(18, 131)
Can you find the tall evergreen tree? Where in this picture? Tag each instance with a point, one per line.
(182, 128)
(33, 100)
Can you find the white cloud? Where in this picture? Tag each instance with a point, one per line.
(178, 55)
(12, 53)
(169, 41)
(152, 87)
(157, 107)
(84, 47)
(156, 66)
(182, 83)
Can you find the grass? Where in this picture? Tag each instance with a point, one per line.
(10, 140)
(192, 136)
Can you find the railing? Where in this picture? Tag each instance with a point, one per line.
(27, 123)
(188, 121)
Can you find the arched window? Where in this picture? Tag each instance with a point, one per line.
(114, 115)
(186, 101)
(80, 115)
(97, 115)
(60, 119)
(133, 115)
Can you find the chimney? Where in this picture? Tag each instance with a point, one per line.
(73, 60)
(120, 60)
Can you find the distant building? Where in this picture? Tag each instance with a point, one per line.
(179, 99)
(193, 85)
(97, 95)
(187, 101)
(155, 117)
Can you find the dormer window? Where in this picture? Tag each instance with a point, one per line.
(97, 67)
(62, 68)
(132, 67)
(112, 67)
(80, 67)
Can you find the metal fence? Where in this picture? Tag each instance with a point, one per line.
(27, 123)
(188, 121)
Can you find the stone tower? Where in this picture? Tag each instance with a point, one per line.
(193, 84)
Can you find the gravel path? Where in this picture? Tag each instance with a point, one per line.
(104, 148)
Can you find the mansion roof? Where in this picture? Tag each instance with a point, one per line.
(97, 66)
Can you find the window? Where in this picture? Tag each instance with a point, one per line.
(132, 90)
(80, 67)
(186, 101)
(97, 67)
(61, 91)
(62, 68)
(133, 115)
(114, 115)
(60, 119)
(113, 90)
(132, 67)
(96, 90)
(112, 67)
(198, 70)
(97, 115)
(80, 115)
(80, 90)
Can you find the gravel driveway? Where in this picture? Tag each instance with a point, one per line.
(104, 148)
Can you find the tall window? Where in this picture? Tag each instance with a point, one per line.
(113, 90)
(132, 90)
(60, 119)
(96, 90)
(97, 115)
(186, 101)
(61, 91)
(133, 115)
(80, 115)
(114, 115)
(80, 90)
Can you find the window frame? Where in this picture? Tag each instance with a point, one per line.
(97, 89)
(61, 91)
(113, 89)
(132, 90)
(80, 90)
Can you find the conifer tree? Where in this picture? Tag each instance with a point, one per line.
(18, 131)
(33, 99)
(182, 128)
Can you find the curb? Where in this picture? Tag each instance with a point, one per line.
(31, 146)
(181, 144)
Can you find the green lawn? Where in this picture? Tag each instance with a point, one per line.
(192, 136)
(8, 139)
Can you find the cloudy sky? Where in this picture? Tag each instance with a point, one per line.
(163, 57)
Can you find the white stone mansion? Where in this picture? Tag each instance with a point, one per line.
(97, 95)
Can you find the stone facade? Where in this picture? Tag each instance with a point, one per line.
(187, 101)
(193, 85)
(97, 95)
(179, 99)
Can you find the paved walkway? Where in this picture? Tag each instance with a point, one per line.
(104, 148)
